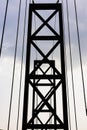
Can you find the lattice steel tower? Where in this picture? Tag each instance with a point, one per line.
(45, 79)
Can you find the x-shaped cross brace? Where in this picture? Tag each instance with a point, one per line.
(45, 101)
(45, 22)
(45, 58)
(44, 74)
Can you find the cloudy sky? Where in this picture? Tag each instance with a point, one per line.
(6, 60)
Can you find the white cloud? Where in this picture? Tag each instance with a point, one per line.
(6, 67)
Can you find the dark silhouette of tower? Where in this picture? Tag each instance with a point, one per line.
(53, 81)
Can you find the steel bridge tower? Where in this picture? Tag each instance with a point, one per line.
(55, 80)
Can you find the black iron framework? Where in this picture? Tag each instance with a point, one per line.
(33, 79)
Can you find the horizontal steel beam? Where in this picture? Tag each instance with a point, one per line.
(49, 126)
(45, 6)
(45, 77)
(45, 38)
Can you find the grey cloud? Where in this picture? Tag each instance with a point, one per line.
(10, 33)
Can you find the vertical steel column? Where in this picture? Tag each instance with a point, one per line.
(64, 95)
(26, 88)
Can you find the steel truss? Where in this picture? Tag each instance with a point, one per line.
(33, 79)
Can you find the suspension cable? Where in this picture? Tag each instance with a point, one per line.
(10, 106)
(73, 86)
(19, 97)
(68, 101)
(80, 55)
(4, 24)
